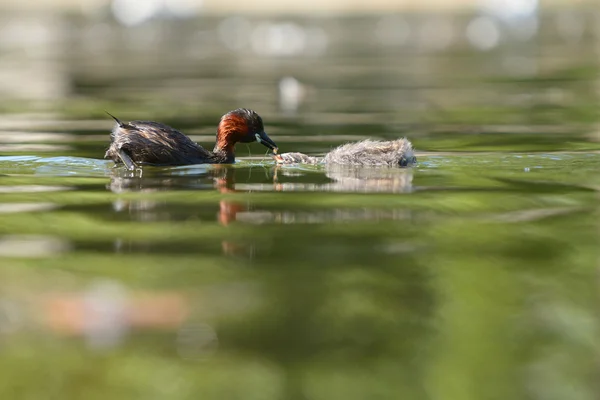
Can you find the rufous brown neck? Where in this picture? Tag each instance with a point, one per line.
(225, 150)
(231, 129)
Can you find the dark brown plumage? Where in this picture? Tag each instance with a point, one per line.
(146, 142)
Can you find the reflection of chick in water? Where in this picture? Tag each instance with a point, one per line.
(352, 179)
(364, 166)
(220, 177)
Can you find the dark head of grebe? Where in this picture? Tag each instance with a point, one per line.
(241, 125)
(147, 142)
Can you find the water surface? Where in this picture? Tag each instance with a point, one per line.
(473, 275)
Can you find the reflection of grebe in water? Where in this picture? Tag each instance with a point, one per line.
(219, 177)
(391, 153)
(146, 142)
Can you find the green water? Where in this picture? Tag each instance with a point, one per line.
(473, 275)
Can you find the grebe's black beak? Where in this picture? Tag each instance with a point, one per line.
(266, 141)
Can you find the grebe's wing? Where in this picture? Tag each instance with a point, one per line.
(156, 143)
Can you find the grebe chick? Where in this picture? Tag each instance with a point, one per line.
(392, 153)
(147, 142)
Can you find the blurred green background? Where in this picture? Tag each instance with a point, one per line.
(473, 275)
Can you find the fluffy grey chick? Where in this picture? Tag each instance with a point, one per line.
(392, 153)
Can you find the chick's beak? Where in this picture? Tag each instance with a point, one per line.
(266, 141)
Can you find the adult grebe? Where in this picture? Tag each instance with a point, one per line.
(147, 142)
